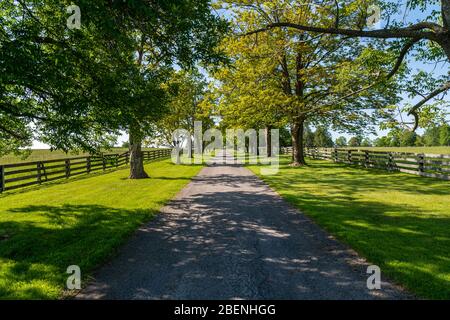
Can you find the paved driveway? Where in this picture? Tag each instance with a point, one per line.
(229, 236)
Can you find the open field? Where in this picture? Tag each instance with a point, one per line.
(45, 154)
(397, 221)
(80, 222)
(430, 150)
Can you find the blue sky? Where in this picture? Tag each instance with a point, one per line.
(406, 16)
(440, 69)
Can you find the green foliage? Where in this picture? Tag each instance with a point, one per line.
(341, 142)
(285, 137)
(431, 136)
(444, 135)
(382, 142)
(366, 142)
(435, 135)
(355, 141)
(407, 138)
(284, 77)
(308, 137)
(54, 79)
(189, 101)
(394, 140)
(73, 88)
(322, 138)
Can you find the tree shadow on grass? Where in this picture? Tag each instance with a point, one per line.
(408, 247)
(230, 243)
(410, 243)
(36, 254)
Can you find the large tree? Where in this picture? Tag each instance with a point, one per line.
(247, 98)
(303, 77)
(188, 102)
(55, 81)
(166, 33)
(70, 88)
(430, 36)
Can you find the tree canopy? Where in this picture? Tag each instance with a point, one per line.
(431, 37)
(287, 77)
(74, 88)
(133, 66)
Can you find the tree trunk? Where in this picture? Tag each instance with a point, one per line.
(268, 141)
(298, 156)
(445, 43)
(445, 7)
(137, 170)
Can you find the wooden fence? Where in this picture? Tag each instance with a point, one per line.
(426, 165)
(20, 175)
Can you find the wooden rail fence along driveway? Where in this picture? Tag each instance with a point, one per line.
(20, 175)
(426, 165)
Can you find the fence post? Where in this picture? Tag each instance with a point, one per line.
(349, 156)
(2, 178)
(421, 162)
(67, 168)
(366, 158)
(39, 173)
(104, 162)
(88, 164)
(391, 162)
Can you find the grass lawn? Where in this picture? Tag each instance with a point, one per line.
(80, 222)
(397, 221)
(429, 150)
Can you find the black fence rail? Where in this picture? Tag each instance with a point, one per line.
(421, 164)
(20, 175)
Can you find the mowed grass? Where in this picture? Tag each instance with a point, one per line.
(45, 154)
(80, 222)
(426, 150)
(397, 221)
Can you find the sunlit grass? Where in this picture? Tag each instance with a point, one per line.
(397, 221)
(80, 222)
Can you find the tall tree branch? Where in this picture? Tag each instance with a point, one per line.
(12, 133)
(413, 110)
(414, 31)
